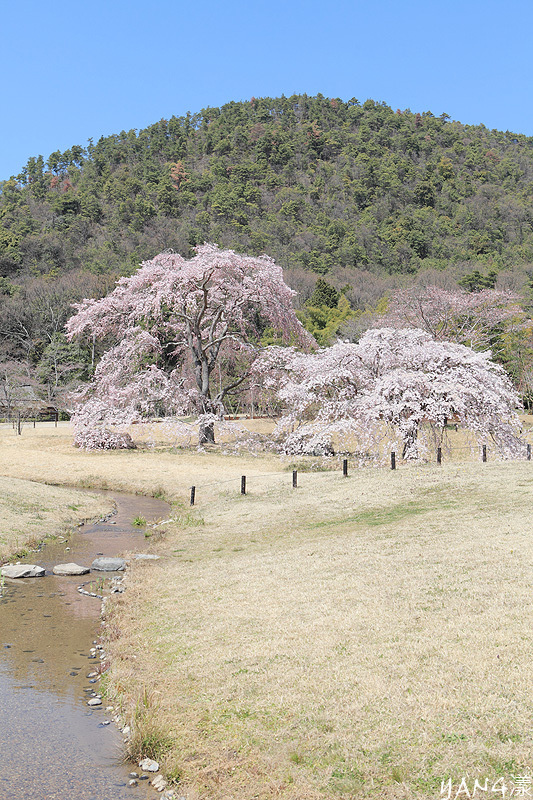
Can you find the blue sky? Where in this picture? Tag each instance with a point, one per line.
(70, 72)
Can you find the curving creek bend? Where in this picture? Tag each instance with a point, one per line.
(52, 745)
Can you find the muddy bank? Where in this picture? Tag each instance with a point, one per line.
(52, 743)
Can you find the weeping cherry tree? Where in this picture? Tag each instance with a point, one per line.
(184, 334)
(393, 382)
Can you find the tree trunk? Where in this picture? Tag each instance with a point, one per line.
(410, 448)
(206, 434)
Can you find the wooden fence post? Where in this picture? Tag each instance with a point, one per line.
(528, 452)
(439, 455)
(484, 453)
(295, 479)
(193, 494)
(345, 467)
(243, 484)
(393, 460)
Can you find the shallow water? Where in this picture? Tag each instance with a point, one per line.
(52, 745)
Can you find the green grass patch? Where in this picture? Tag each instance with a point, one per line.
(386, 515)
(190, 520)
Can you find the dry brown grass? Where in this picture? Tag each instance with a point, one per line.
(31, 513)
(359, 637)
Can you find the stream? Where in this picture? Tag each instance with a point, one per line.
(52, 745)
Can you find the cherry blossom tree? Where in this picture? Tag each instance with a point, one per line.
(400, 382)
(185, 335)
(468, 318)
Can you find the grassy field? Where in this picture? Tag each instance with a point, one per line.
(367, 636)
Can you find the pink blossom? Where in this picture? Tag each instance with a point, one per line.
(395, 383)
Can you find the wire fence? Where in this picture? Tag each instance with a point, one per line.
(346, 465)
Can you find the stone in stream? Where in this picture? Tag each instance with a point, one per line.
(70, 569)
(108, 564)
(22, 571)
(159, 783)
(94, 701)
(148, 765)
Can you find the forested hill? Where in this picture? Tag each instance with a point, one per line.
(312, 181)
